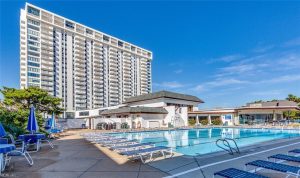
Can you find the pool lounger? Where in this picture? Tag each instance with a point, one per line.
(137, 145)
(285, 157)
(237, 173)
(295, 151)
(135, 154)
(106, 142)
(122, 143)
(284, 168)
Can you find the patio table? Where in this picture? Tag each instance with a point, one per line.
(34, 136)
(5, 148)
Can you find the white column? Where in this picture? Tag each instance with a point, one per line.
(274, 116)
(197, 119)
(209, 119)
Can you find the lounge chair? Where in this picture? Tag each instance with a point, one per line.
(136, 146)
(122, 143)
(297, 151)
(135, 154)
(237, 173)
(285, 157)
(284, 168)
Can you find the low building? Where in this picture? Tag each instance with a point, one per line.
(251, 113)
(158, 109)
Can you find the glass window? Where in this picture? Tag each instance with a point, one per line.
(33, 11)
(69, 24)
(33, 59)
(33, 74)
(31, 32)
(33, 22)
(33, 64)
(33, 27)
(33, 43)
(33, 49)
(32, 38)
(105, 38)
(33, 54)
(32, 69)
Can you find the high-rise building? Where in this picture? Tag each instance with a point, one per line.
(85, 67)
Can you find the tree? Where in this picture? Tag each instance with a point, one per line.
(14, 109)
(24, 98)
(293, 98)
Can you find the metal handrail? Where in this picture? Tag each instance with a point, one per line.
(227, 146)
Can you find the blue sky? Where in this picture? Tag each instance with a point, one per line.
(226, 53)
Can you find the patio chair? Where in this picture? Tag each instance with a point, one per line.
(284, 168)
(132, 146)
(122, 143)
(237, 173)
(136, 154)
(20, 151)
(285, 158)
(296, 151)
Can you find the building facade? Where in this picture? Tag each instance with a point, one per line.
(86, 68)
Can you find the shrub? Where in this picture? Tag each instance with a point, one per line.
(192, 122)
(204, 122)
(124, 125)
(216, 121)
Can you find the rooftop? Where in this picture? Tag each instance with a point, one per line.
(164, 94)
(151, 110)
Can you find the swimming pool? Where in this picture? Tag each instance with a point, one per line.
(194, 142)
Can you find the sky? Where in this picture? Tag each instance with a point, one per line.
(226, 53)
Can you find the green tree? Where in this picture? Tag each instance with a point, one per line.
(293, 98)
(24, 98)
(14, 109)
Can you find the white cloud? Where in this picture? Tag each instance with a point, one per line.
(293, 42)
(262, 49)
(228, 58)
(267, 93)
(218, 83)
(283, 79)
(178, 71)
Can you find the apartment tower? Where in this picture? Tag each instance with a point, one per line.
(86, 68)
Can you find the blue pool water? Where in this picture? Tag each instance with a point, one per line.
(202, 141)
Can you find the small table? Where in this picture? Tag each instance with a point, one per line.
(5, 148)
(36, 136)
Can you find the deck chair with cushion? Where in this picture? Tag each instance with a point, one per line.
(132, 146)
(283, 168)
(237, 173)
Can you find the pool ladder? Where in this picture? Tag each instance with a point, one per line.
(227, 146)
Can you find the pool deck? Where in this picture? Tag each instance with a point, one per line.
(73, 156)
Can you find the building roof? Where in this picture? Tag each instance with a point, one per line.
(122, 110)
(163, 94)
(284, 103)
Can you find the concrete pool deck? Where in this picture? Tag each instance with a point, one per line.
(73, 156)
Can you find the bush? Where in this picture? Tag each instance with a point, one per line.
(192, 122)
(217, 121)
(204, 122)
(124, 125)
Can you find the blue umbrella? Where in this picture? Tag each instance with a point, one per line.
(52, 122)
(2, 130)
(32, 124)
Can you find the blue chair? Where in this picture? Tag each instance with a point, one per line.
(284, 168)
(236, 173)
(285, 157)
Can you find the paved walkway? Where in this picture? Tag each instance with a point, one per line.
(75, 157)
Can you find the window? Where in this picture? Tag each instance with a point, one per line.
(105, 38)
(120, 43)
(33, 64)
(33, 11)
(88, 31)
(31, 69)
(33, 49)
(69, 24)
(33, 27)
(33, 59)
(33, 80)
(33, 54)
(33, 74)
(33, 43)
(33, 22)
(31, 32)
(33, 38)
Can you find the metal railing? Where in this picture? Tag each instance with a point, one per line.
(231, 149)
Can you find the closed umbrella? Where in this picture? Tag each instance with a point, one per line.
(2, 130)
(52, 122)
(32, 124)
